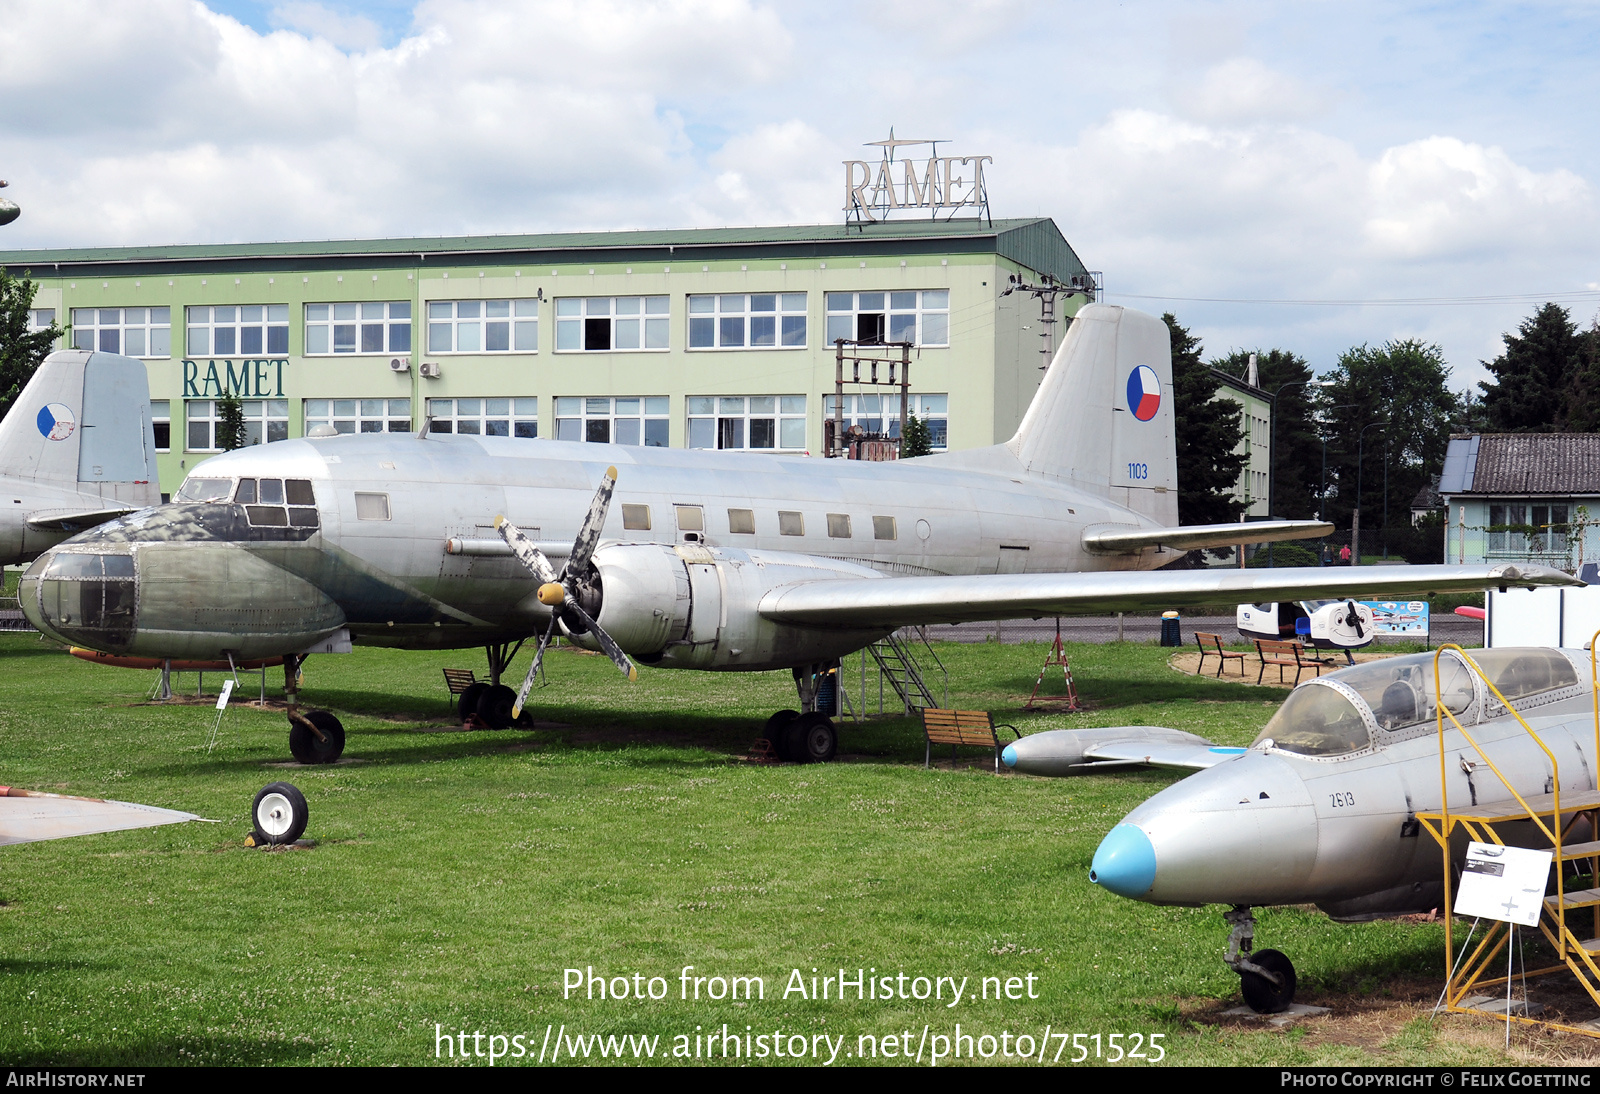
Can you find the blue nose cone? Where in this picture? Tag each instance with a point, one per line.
(1125, 862)
(1009, 756)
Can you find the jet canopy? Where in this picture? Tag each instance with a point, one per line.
(1333, 716)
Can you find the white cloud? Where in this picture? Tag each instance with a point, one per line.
(344, 31)
(1242, 90)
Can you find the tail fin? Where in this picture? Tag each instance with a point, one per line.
(1102, 419)
(83, 421)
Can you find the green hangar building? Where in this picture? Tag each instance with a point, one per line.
(714, 338)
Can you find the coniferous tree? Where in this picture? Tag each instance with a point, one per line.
(1534, 377)
(21, 349)
(1207, 431)
(917, 441)
(230, 422)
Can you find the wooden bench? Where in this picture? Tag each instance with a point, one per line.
(1211, 646)
(458, 681)
(962, 727)
(1285, 655)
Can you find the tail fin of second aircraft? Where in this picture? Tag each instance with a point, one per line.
(1103, 417)
(83, 421)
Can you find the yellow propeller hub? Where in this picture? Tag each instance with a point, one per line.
(552, 594)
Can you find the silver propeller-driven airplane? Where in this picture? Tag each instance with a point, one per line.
(1323, 807)
(76, 449)
(700, 560)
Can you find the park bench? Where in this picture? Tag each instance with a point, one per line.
(458, 681)
(1211, 646)
(962, 727)
(1285, 655)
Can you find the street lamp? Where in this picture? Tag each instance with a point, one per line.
(1272, 447)
(1322, 494)
(1355, 522)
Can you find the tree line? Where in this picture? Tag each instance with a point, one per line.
(1380, 424)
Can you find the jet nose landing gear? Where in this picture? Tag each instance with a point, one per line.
(1267, 978)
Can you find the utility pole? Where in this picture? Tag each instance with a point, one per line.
(1084, 284)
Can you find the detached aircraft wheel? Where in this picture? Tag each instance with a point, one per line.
(467, 705)
(812, 739)
(1261, 994)
(777, 732)
(494, 706)
(307, 747)
(279, 813)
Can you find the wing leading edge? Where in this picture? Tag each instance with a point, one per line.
(1125, 541)
(919, 601)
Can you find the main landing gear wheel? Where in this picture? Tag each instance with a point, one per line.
(777, 732)
(310, 748)
(812, 739)
(1262, 995)
(279, 813)
(494, 706)
(467, 705)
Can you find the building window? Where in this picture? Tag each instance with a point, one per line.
(359, 415)
(1521, 529)
(366, 327)
(601, 323)
(604, 420)
(132, 332)
(161, 423)
(753, 321)
(263, 419)
(880, 414)
(40, 319)
(747, 422)
(483, 326)
(248, 330)
(485, 417)
(921, 318)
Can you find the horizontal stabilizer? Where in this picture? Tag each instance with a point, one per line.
(919, 601)
(75, 520)
(28, 815)
(1073, 751)
(1195, 536)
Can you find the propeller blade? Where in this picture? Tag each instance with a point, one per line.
(526, 551)
(533, 669)
(1354, 619)
(613, 650)
(589, 534)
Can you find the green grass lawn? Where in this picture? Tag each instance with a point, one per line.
(457, 875)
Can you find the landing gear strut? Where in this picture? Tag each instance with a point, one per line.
(1266, 978)
(492, 701)
(805, 736)
(315, 736)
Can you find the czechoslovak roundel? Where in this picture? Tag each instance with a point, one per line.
(1144, 393)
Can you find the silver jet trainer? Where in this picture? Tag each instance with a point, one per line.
(676, 558)
(1323, 807)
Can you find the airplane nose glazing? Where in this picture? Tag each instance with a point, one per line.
(1125, 862)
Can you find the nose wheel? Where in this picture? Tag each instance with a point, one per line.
(1266, 979)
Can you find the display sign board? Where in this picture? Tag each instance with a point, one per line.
(1504, 883)
(1403, 617)
(873, 191)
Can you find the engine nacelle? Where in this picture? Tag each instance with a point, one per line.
(694, 607)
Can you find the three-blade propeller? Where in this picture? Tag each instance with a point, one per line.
(553, 588)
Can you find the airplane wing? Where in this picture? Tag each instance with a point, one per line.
(1115, 540)
(75, 520)
(1071, 751)
(28, 815)
(919, 601)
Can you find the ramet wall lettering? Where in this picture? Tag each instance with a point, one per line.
(258, 378)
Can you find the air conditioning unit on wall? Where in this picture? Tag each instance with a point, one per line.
(430, 369)
(399, 364)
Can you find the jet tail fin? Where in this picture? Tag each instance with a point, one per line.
(83, 421)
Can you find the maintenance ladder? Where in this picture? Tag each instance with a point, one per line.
(898, 666)
(1556, 815)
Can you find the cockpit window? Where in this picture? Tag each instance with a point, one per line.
(198, 489)
(1317, 720)
(272, 494)
(1518, 672)
(1400, 690)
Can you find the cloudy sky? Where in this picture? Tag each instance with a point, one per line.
(1209, 153)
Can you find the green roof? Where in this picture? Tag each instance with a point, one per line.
(1034, 243)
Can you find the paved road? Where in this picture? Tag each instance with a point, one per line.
(1147, 628)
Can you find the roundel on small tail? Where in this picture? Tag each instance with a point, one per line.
(56, 421)
(1144, 392)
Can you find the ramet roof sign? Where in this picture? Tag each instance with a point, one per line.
(937, 183)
